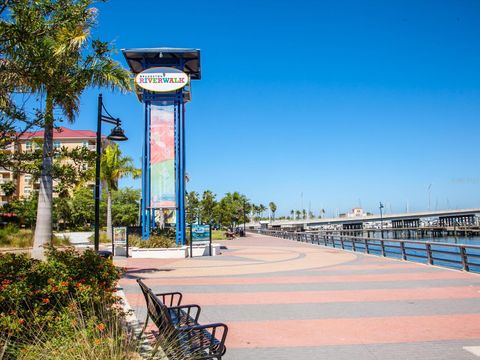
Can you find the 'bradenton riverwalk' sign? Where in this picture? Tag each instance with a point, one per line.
(162, 79)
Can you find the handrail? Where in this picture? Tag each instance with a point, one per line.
(462, 257)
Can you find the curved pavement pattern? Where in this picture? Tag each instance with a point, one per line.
(283, 300)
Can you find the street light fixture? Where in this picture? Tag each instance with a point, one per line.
(116, 134)
(381, 219)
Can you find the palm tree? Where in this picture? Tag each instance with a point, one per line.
(304, 214)
(273, 208)
(262, 209)
(54, 56)
(113, 167)
(292, 213)
(298, 212)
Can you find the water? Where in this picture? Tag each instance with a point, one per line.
(459, 240)
(442, 255)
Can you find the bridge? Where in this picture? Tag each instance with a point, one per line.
(460, 217)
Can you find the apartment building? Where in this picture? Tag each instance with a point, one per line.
(31, 141)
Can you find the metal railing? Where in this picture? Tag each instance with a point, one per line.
(458, 256)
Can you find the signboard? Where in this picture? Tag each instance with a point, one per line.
(200, 233)
(162, 156)
(120, 241)
(161, 79)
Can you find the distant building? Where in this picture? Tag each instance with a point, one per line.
(356, 212)
(31, 141)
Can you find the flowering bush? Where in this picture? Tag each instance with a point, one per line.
(36, 295)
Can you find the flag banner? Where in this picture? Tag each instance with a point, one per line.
(162, 156)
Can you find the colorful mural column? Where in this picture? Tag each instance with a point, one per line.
(162, 83)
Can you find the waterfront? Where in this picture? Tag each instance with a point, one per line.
(285, 299)
(450, 252)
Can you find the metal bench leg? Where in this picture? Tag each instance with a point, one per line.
(154, 350)
(144, 328)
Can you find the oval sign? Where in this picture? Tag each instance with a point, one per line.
(161, 79)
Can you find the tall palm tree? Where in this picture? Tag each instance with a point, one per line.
(298, 213)
(273, 209)
(113, 167)
(262, 209)
(51, 53)
(292, 213)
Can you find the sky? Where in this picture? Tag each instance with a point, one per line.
(316, 104)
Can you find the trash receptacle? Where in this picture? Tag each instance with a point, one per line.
(105, 254)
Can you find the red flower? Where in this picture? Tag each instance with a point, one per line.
(101, 326)
(46, 301)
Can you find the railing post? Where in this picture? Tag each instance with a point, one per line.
(463, 254)
(333, 240)
(366, 246)
(354, 247)
(428, 248)
(325, 240)
(341, 242)
(382, 244)
(402, 251)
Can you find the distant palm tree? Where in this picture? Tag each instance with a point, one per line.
(298, 213)
(273, 208)
(292, 213)
(262, 209)
(113, 167)
(304, 214)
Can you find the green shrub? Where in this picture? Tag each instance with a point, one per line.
(155, 241)
(35, 294)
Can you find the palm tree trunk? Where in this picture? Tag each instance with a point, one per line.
(43, 227)
(109, 215)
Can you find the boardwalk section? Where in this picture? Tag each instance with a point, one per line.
(284, 300)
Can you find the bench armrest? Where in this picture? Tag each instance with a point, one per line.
(192, 311)
(171, 298)
(213, 330)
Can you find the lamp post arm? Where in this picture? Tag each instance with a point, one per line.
(111, 120)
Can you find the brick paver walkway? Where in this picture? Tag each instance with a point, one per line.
(287, 300)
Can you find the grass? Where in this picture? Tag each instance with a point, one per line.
(104, 336)
(13, 237)
(218, 235)
(103, 238)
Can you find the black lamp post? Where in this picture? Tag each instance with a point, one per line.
(381, 219)
(244, 217)
(116, 135)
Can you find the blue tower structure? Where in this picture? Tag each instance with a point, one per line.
(162, 83)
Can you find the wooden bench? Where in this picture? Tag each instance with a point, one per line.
(180, 334)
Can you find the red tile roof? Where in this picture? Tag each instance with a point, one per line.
(60, 133)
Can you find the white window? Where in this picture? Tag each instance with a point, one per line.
(85, 143)
(57, 144)
(28, 179)
(28, 145)
(27, 190)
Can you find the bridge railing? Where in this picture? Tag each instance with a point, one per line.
(459, 256)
